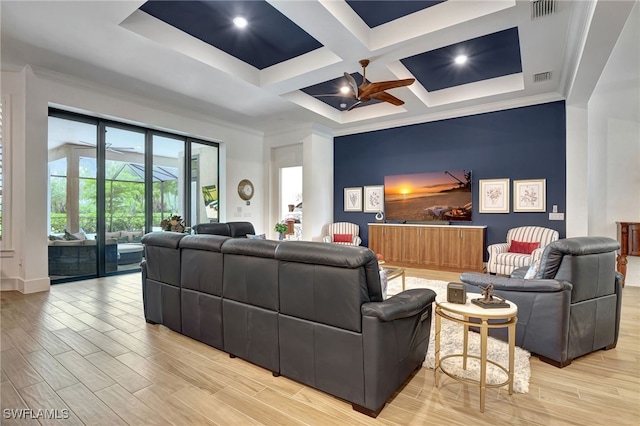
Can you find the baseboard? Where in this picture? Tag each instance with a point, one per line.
(8, 284)
(28, 286)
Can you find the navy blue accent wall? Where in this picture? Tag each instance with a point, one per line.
(521, 143)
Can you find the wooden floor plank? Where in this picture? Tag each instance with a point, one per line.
(120, 373)
(78, 343)
(14, 408)
(51, 370)
(88, 407)
(167, 407)
(149, 368)
(204, 403)
(18, 370)
(84, 371)
(130, 408)
(103, 342)
(49, 341)
(41, 398)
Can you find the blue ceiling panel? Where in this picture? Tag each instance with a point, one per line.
(375, 13)
(490, 56)
(329, 92)
(269, 38)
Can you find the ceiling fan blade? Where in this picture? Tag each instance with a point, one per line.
(381, 86)
(384, 96)
(357, 104)
(353, 84)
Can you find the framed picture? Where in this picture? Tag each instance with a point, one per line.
(530, 195)
(494, 196)
(373, 199)
(353, 199)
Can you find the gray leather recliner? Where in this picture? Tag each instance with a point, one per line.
(571, 307)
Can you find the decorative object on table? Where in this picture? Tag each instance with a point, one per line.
(456, 293)
(489, 300)
(494, 196)
(530, 195)
(353, 199)
(373, 199)
(380, 217)
(280, 228)
(173, 223)
(451, 342)
(245, 189)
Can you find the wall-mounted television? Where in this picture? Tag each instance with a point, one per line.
(426, 197)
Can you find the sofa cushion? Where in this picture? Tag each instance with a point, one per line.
(131, 236)
(112, 235)
(80, 235)
(523, 247)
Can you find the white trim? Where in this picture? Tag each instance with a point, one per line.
(6, 242)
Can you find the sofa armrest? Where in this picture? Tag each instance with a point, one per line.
(536, 254)
(494, 249)
(356, 240)
(402, 305)
(514, 284)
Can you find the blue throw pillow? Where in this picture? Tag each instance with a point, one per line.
(257, 237)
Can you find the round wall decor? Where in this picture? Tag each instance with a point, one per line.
(245, 189)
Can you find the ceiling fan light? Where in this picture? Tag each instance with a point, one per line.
(345, 89)
(240, 22)
(460, 59)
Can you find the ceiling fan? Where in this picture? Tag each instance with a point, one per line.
(377, 90)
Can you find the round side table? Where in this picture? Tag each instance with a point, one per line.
(462, 314)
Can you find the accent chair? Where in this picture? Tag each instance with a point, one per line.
(505, 257)
(345, 233)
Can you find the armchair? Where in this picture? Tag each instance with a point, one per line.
(571, 306)
(503, 261)
(343, 233)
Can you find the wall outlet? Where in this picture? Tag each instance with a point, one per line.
(556, 216)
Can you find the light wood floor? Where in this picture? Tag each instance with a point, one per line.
(85, 347)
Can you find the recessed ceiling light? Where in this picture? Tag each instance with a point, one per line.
(345, 89)
(460, 59)
(240, 22)
(343, 105)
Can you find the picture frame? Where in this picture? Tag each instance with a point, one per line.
(374, 199)
(353, 199)
(530, 195)
(494, 196)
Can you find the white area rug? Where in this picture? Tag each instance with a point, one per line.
(451, 342)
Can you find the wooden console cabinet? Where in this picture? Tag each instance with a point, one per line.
(458, 248)
(629, 238)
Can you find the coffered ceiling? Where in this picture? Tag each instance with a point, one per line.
(269, 74)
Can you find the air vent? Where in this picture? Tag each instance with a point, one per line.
(542, 76)
(540, 8)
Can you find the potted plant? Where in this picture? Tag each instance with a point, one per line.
(173, 223)
(280, 228)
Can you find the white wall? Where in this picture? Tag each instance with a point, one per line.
(603, 147)
(312, 148)
(30, 96)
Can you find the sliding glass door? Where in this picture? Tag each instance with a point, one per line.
(109, 183)
(72, 208)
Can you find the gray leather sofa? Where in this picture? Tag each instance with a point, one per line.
(310, 311)
(571, 307)
(230, 229)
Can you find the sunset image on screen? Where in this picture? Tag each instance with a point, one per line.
(432, 196)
